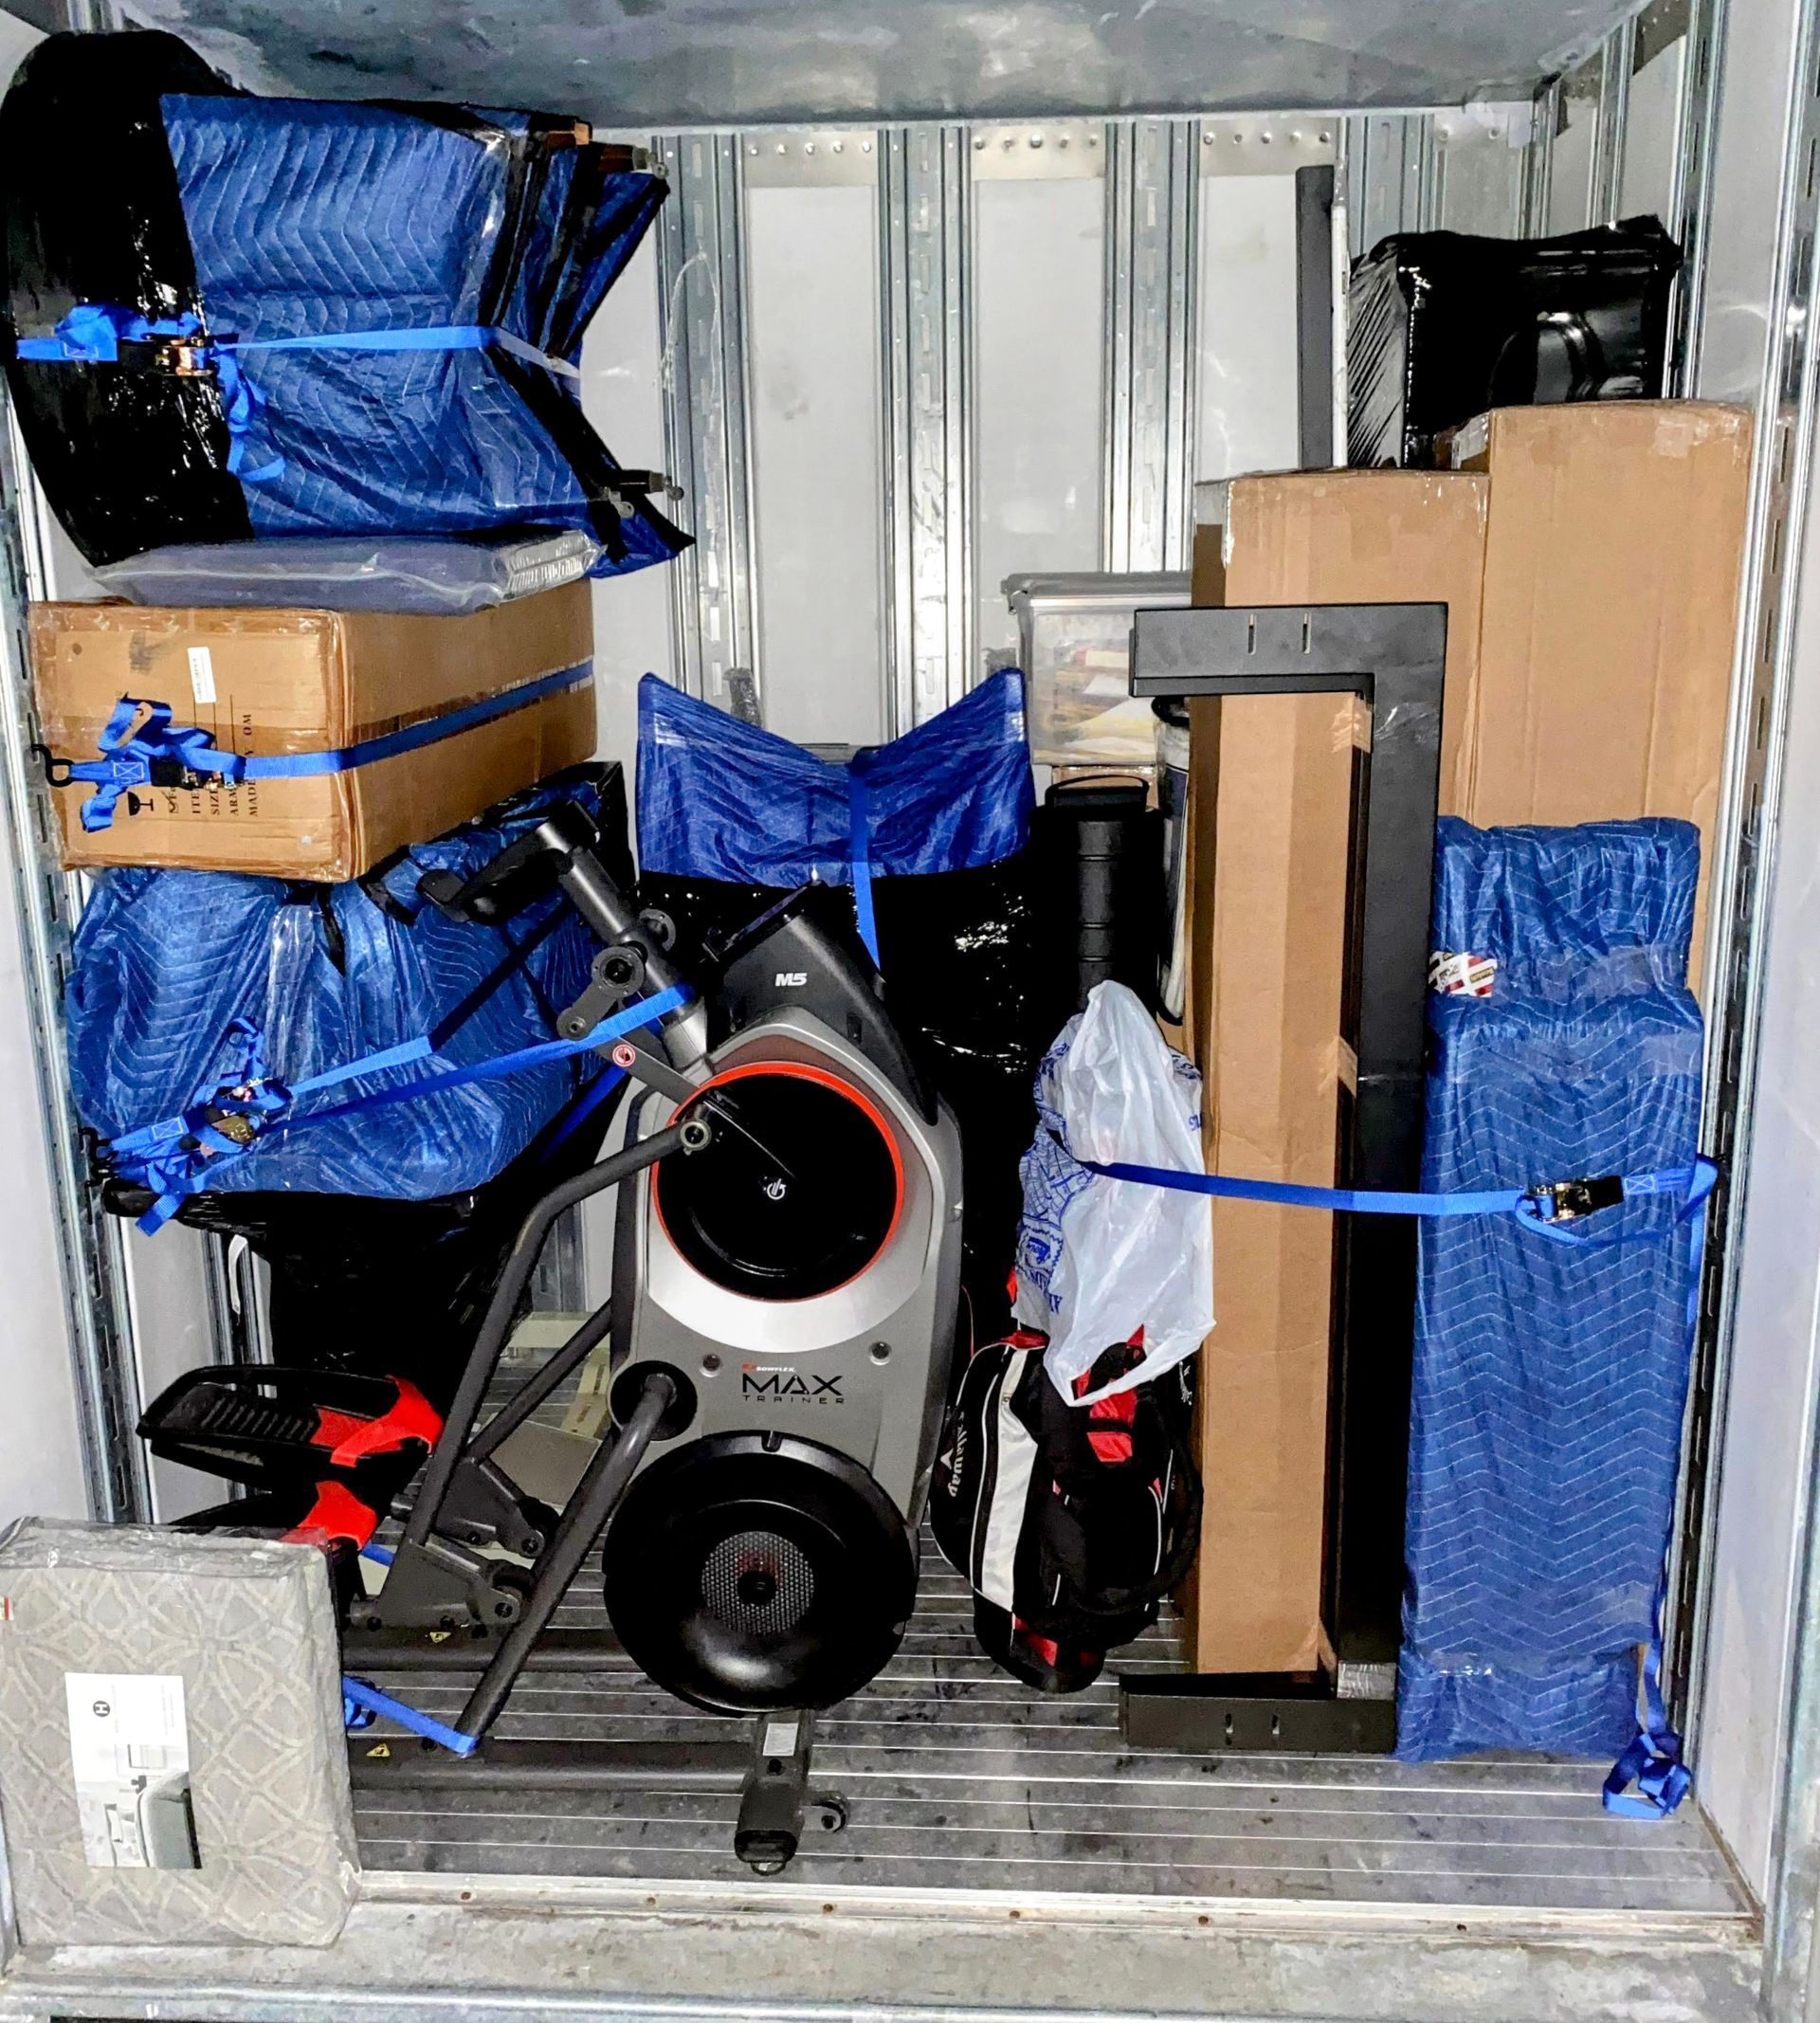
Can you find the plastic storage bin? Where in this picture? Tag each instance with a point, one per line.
(1074, 639)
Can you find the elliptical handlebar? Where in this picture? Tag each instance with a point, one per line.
(563, 850)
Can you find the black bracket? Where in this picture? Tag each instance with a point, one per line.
(1391, 656)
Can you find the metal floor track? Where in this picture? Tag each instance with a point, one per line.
(960, 1779)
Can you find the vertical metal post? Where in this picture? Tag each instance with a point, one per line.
(560, 1282)
(1692, 203)
(91, 1253)
(1152, 182)
(1745, 846)
(1393, 175)
(1539, 160)
(1616, 58)
(702, 332)
(924, 253)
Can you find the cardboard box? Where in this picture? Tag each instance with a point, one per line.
(1612, 560)
(271, 682)
(1589, 559)
(1269, 808)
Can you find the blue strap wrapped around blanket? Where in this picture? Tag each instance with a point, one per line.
(1549, 1378)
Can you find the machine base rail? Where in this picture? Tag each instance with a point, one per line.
(770, 1772)
(1260, 1713)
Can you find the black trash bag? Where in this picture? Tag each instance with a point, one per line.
(72, 237)
(1442, 326)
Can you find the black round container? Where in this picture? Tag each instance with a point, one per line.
(1099, 848)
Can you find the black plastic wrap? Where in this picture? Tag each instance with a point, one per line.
(962, 952)
(161, 441)
(1441, 326)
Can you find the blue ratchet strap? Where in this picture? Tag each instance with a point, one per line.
(92, 334)
(362, 1705)
(151, 751)
(860, 823)
(1653, 1762)
(1539, 1207)
(176, 1156)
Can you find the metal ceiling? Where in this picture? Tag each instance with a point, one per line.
(658, 63)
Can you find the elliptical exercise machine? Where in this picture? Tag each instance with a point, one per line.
(786, 1277)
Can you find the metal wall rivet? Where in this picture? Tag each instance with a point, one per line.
(1036, 140)
(808, 146)
(840, 147)
(865, 147)
(979, 140)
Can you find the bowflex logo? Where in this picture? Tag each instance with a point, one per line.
(777, 1382)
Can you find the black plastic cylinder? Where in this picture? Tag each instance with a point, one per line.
(1099, 848)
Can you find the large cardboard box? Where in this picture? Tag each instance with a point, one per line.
(1269, 807)
(268, 683)
(1590, 559)
(1613, 558)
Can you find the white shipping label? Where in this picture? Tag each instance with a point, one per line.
(129, 1747)
(202, 674)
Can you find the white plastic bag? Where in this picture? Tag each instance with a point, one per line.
(1098, 1258)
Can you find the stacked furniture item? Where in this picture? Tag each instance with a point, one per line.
(1551, 1361)
(301, 380)
(231, 316)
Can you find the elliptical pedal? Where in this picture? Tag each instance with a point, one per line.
(269, 1427)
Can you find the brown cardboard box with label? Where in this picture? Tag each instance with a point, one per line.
(1269, 801)
(273, 682)
(1590, 559)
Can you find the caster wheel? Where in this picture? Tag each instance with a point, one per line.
(832, 1808)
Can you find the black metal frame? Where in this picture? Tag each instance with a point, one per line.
(1390, 656)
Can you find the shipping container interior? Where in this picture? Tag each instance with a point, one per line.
(931, 304)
